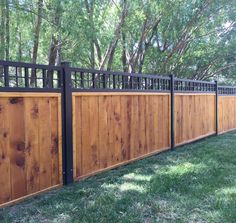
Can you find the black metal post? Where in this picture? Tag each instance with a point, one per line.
(172, 108)
(216, 90)
(67, 124)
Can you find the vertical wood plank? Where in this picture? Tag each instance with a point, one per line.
(5, 179)
(125, 126)
(103, 131)
(45, 142)
(77, 145)
(93, 130)
(142, 126)
(86, 154)
(32, 144)
(134, 145)
(54, 141)
(59, 106)
(17, 147)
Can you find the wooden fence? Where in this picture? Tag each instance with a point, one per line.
(71, 123)
(30, 144)
(194, 117)
(111, 129)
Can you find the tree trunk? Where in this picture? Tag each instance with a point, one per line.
(37, 31)
(18, 45)
(7, 48)
(36, 39)
(124, 57)
(112, 46)
(2, 34)
(90, 9)
(55, 45)
(2, 30)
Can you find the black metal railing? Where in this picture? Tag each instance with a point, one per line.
(193, 85)
(15, 75)
(34, 77)
(85, 79)
(227, 90)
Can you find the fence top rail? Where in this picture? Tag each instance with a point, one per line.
(29, 65)
(94, 71)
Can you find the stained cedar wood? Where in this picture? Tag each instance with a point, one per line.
(200, 108)
(5, 180)
(45, 143)
(54, 149)
(78, 156)
(32, 144)
(110, 139)
(86, 154)
(17, 147)
(166, 124)
(117, 128)
(196, 120)
(125, 128)
(227, 113)
(60, 140)
(134, 141)
(147, 117)
(103, 130)
(142, 126)
(151, 134)
(25, 143)
(155, 130)
(93, 127)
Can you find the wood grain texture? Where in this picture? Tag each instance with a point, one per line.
(30, 145)
(194, 117)
(227, 113)
(109, 130)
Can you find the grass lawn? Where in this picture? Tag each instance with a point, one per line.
(194, 183)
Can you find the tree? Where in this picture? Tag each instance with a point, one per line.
(193, 39)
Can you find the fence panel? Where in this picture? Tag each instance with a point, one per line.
(30, 144)
(111, 129)
(194, 117)
(227, 113)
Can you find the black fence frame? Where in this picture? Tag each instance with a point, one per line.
(26, 77)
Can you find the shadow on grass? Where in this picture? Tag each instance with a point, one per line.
(195, 183)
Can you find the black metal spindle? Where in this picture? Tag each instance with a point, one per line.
(6, 76)
(44, 78)
(26, 77)
(16, 76)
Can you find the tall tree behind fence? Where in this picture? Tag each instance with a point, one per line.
(70, 123)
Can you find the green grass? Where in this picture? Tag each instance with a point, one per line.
(194, 183)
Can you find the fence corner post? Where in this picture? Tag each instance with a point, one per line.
(67, 137)
(172, 113)
(216, 107)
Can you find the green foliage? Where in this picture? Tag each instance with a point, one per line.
(194, 39)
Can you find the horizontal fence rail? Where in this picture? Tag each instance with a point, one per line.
(60, 124)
